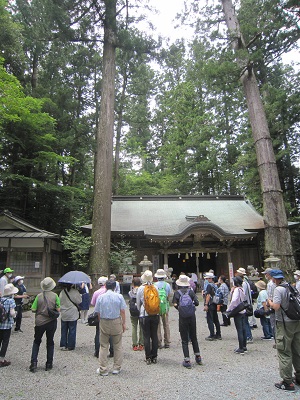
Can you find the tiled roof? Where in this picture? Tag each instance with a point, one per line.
(175, 216)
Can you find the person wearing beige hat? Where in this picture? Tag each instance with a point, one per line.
(44, 323)
(262, 302)
(164, 290)
(185, 301)
(148, 321)
(9, 305)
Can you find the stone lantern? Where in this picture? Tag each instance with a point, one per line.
(272, 262)
(145, 264)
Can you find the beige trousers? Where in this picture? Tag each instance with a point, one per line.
(113, 328)
(164, 320)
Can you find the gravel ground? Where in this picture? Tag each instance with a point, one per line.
(224, 375)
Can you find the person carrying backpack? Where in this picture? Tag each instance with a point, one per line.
(185, 301)
(211, 309)
(287, 333)
(164, 290)
(148, 303)
(136, 331)
(7, 320)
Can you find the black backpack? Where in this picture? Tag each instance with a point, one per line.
(293, 309)
(134, 312)
(254, 290)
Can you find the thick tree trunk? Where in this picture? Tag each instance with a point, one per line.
(277, 234)
(104, 149)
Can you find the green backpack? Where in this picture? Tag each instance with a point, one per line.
(164, 302)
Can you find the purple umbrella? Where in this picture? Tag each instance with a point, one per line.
(75, 277)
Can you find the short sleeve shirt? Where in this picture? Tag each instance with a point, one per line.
(281, 297)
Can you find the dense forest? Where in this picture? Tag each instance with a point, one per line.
(181, 123)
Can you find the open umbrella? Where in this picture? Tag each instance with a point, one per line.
(75, 277)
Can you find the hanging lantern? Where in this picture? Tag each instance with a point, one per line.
(186, 256)
(208, 256)
(178, 255)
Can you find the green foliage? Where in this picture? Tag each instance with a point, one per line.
(78, 245)
(121, 256)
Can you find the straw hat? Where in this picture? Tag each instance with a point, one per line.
(48, 284)
(10, 289)
(261, 285)
(147, 276)
(241, 271)
(160, 273)
(183, 280)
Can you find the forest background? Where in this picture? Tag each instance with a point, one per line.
(181, 121)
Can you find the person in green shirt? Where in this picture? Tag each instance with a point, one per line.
(47, 300)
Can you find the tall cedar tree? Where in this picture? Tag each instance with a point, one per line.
(277, 234)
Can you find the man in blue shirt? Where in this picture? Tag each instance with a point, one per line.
(111, 312)
(164, 317)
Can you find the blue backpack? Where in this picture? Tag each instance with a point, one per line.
(186, 306)
(218, 297)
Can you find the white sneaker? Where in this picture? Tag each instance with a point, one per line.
(116, 371)
(105, 373)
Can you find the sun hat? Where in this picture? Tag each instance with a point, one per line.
(297, 272)
(209, 275)
(7, 270)
(160, 273)
(147, 276)
(17, 278)
(267, 271)
(277, 274)
(183, 280)
(242, 271)
(260, 284)
(102, 280)
(48, 284)
(10, 289)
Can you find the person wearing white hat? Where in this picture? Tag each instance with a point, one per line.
(18, 282)
(102, 289)
(211, 308)
(44, 323)
(149, 322)
(9, 305)
(164, 290)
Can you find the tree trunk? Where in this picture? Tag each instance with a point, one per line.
(104, 149)
(277, 234)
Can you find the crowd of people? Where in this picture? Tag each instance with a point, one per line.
(149, 304)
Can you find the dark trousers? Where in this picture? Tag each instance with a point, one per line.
(188, 331)
(39, 331)
(97, 342)
(266, 326)
(149, 325)
(18, 319)
(213, 320)
(4, 340)
(240, 325)
(226, 320)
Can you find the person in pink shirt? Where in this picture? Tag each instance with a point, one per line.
(101, 282)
